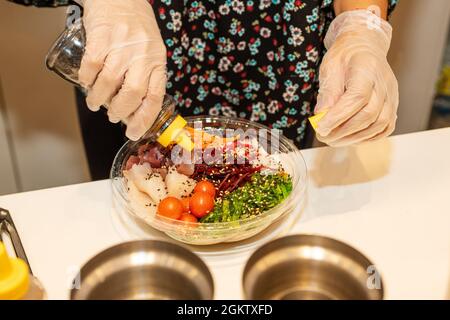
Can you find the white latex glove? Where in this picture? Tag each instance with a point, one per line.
(357, 86)
(124, 66)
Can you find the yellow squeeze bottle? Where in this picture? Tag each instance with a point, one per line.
(16, 283)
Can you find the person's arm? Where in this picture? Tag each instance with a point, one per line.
(124, 64)
(341, 6)
(43, 3)
(358, 90)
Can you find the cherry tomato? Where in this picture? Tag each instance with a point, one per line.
(188, 218)
(201, 204)
(170, 208)
(205, 186)
(185, 203)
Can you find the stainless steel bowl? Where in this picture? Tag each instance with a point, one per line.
(307, 267)
(145, 270)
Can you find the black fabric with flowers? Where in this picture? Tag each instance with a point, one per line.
(251, 59)
(255, 59)
(44, 3)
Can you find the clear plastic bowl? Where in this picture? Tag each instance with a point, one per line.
(214, 233)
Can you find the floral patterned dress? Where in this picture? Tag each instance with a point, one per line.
(254, 59)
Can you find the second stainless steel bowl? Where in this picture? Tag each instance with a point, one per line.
(307, 267)
(145, 270)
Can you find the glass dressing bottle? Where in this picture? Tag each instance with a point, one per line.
(64, 58)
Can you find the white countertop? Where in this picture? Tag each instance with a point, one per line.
(390, 200)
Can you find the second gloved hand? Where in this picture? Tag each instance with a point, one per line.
(124, 65)
(357, 86)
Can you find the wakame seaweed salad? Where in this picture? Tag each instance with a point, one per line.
(261, 193)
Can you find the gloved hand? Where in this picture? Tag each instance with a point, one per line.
(358, 89)
(124, 65)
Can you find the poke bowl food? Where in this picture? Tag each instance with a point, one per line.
(238, 179)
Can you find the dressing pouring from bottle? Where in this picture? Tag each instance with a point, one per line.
(64, 58)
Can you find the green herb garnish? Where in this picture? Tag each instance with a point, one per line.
(261, 193)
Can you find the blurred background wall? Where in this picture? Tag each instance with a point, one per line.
(38, 109)
(40, 141)
(417, 50)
